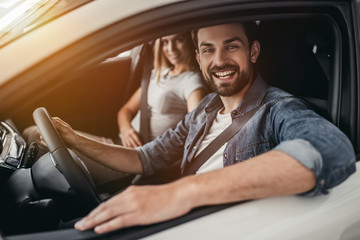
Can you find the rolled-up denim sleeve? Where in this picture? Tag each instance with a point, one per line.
(317, 144)
(308, 156)
(145, 161)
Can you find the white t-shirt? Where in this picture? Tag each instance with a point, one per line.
(167, 100)
(221, 122)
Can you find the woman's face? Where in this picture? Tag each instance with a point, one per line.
(175, 48)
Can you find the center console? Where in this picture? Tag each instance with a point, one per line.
(12, 150)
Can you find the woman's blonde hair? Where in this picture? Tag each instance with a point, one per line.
(161, 61)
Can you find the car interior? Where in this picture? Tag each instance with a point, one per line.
(298, 61)
(297, 55)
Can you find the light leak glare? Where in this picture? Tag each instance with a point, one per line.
(17, 12)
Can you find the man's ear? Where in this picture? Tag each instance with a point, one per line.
(255, 51)
(198, 58)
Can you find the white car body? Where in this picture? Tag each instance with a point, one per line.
(332, 216)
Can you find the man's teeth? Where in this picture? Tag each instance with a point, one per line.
(224, 74)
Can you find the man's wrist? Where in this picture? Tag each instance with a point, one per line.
(78, 142)
(187, 190)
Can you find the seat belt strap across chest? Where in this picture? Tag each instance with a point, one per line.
(219, 141)
(144, 107)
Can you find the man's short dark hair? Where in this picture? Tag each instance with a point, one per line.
(250, 29)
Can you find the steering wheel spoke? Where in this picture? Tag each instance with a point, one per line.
(76, 177)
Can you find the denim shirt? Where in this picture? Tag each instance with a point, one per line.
(283, 123)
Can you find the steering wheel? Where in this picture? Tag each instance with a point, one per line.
(78, 181)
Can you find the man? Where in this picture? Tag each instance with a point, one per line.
(292, 149)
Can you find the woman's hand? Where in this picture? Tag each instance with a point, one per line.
(130, 138)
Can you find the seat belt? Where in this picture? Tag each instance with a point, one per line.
(219, 141)
(146, 53)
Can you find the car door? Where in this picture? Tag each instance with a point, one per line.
(342, 109)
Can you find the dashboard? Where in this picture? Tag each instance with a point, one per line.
(12, 148)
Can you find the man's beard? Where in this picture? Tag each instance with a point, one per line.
(228, 89)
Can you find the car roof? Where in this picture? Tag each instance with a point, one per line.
(50, 38)
(18, 17)
(54, 36)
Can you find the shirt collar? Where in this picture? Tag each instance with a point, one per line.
(254, 95)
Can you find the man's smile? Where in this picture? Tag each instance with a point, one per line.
(223, 75)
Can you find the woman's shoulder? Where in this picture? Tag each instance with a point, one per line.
(192, 74)
(192, 77)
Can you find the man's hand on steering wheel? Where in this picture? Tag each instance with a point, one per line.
(55, 133)
(69, 136)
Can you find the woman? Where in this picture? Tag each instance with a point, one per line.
(175, 88)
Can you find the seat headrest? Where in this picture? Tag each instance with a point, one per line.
(287, 59)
